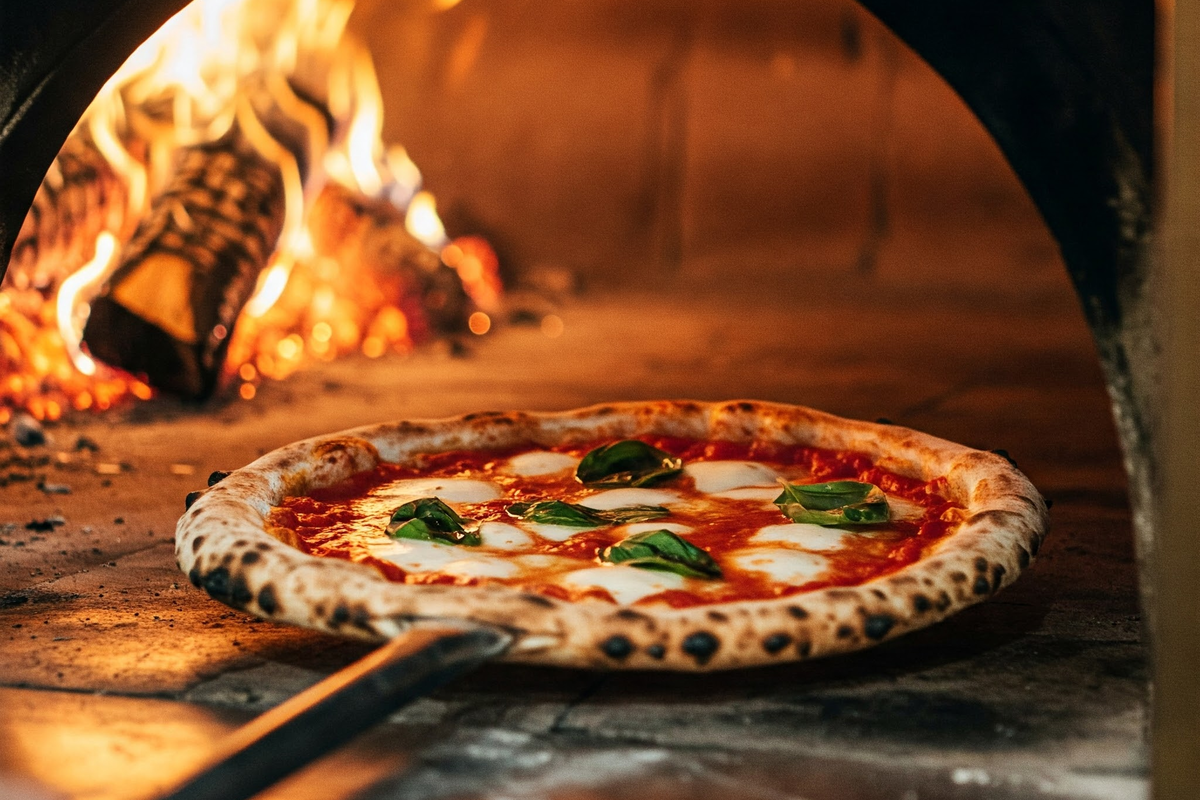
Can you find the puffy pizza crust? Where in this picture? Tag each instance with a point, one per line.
(222, 545)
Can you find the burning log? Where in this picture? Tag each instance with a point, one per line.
(80, 197)
(369, 235)
(297, 95)
(193, 262)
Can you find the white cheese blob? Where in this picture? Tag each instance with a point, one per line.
(804, 535)
(450, 490)
(642, 527)
(546, 561)
(765, 493)
(904, 509)
(481, 566)
(625, 584)
(782, 565)
(541, 462)
(413, 555)
(555, 533)
(721, 476)
(503, 536)
(616, 498)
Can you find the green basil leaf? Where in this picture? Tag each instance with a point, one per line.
(627, 463)
(627, 514)
(834, 504)
(556, 512)
(572, 515)
(662, 550)
(431, 520)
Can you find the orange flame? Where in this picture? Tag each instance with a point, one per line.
(183, 86)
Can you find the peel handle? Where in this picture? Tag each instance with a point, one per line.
(330, 713)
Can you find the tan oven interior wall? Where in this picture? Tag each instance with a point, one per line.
(620, 138)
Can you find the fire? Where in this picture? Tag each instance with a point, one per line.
(324, 292)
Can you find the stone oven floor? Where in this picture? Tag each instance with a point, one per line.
(118, 676)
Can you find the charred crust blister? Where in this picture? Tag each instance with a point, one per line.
(250, 557)
(216, 477)
(538, 600)
(190, 499)
(239, 591)
(1023, 557)
(717, 616)
(844, 632)
(877, 626)
(267, 600)
(361, 619)
(797, 612)
(617, 647)
(656, 651)
(982, 586)
(216, 583)
(776, 642)
(701, 646)
(197, 543)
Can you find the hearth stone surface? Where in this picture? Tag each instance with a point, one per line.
(118, 676)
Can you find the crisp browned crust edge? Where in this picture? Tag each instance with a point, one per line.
(222, 546)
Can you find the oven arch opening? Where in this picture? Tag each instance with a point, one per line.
(1065, 91)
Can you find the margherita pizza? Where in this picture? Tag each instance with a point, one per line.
(642, 535)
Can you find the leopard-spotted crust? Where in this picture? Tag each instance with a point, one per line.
(222, 546)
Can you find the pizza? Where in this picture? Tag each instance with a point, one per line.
(670, 534)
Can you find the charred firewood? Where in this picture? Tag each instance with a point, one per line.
(80, 197)
(367, 234)
(169, 308)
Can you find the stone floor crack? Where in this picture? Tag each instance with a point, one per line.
(559, 723)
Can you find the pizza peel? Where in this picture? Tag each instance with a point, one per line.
(433, 636)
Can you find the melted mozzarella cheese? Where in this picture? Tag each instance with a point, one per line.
(413, 555)
(642, 527)
(503, 536)
(545, 561)
(540, 462)
(481, 566)
(764, 493)
(450, 490)
(783, 565)
(625, 584)
(904, 509)
(721, 476)
(555, 533)
(804, 535)
(616, 498)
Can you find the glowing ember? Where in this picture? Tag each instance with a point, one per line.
(333, 286)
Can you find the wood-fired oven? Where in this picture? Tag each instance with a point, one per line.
(881, 209)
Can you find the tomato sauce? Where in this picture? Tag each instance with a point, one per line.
(345, 520)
